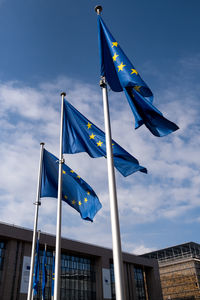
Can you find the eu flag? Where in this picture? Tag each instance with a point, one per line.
(121, 75)
(75, 191)
(53, 275)
(81, 135)
(44, 273)
(36, 274)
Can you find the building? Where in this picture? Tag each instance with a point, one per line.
(179, 271)
(86, 270)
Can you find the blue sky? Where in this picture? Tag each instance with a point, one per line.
(48, 46)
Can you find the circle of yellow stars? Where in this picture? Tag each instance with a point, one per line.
(122, 66)
(73, 202)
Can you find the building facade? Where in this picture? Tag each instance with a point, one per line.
(86, 270)
(179, 271)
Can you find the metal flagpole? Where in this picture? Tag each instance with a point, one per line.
(37, 204)
(38, 237)
(59, 211)
(116, 240)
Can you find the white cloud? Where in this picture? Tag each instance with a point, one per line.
(31, 115)
(141, 249)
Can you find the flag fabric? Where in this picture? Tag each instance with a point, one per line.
(53, 275)
(36, 274)
(44, 273)
(75, 191)
(121, 75)
(81, 135)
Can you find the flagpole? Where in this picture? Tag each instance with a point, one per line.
(59, 211)
(37, 204)
(116, 240)
(38, 237)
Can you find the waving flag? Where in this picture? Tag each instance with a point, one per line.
(53, 275)
(81, 135)
(75, 191)
(121, 75)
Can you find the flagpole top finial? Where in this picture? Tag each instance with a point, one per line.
(42, 143)
(98, 9)
(63, 94)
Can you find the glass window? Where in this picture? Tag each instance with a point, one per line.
(112, 280)
(2, 254)
(139, 282)
(77, 278)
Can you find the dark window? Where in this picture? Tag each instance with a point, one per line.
(2, 254)
(112, 280)
(77, 281)
(139, 282)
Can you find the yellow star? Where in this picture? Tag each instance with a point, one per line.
(114, 44)
(73, 202)
(137, 88)
(86, 200)
(120, 67)
(89, 125)
(92, 136)
(79, 203)
(88, 193)
(134, 71)
(65, 197)
(78, 176)
(71, 171)
(99, 143)
(115, 57)
(64, 172)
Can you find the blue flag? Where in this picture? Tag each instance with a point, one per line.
(36, 274)
(81, 135)
(75, 191)
(121, 75)
(44, 273)
(53, 275)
